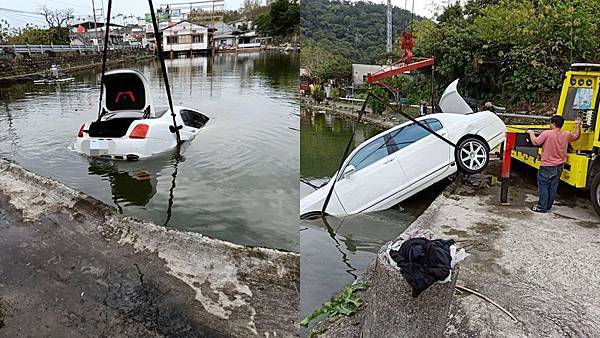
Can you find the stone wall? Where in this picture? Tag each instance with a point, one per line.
(17, 66)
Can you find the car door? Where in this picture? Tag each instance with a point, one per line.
(377, 174)
(423, 156)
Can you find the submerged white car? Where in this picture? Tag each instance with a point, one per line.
(400, 162)
(130, 127)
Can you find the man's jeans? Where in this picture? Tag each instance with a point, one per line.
(548, 178)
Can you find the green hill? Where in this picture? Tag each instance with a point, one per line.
(353, 30)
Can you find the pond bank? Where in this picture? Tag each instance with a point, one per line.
(73, 266)
(24, 69)
(543, 268)
(348, 111)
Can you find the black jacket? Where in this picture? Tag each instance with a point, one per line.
(423, 262)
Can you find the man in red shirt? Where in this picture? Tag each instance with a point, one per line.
(555, 143)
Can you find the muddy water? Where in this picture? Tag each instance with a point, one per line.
(334, 252)
(237, 181)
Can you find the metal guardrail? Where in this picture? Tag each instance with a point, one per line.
(40, 49)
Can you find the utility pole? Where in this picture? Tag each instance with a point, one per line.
(389, 32)
(96, 25)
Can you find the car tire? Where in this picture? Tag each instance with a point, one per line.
(472, 155)
(595, 193)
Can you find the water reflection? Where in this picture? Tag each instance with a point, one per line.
(335, 250)
(245, 160)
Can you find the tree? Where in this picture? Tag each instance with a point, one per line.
(31, 35)
(56, 19)
(4, 31)
(281, 20)
(323, 64)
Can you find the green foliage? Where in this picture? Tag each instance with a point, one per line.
(376, 105)
(510, 50)
(4, 31)
(230, 16)
(36, 36)
(354, 30)
(335, 94)
(345, 303)
(324, 65)
(281, 20)
(317, 92)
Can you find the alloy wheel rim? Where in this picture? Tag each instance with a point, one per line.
(473, 156)
(598, 194)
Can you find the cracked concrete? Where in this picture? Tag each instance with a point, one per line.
(72, 266)
(543, 268)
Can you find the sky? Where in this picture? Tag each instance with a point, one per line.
(83, 8)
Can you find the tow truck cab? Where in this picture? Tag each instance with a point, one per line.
(579, 98)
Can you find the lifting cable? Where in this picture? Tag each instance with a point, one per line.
(158, 37)
(104, 54)
(360, 115)
(346, 151)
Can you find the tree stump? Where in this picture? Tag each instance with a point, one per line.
(393, 312)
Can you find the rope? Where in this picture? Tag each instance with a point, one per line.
(346, 151)
(419, 123)
(158, 37)
(104, 54)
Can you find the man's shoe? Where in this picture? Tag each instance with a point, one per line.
(536, 209)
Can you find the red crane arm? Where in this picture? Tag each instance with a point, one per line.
(384, 74)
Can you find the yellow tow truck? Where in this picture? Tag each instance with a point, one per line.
(579, 98)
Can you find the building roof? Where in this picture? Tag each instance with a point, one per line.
(186, 21)
(91, 24)
(225, 30)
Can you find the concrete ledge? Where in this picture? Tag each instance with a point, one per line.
(391, 311)
(73, 266)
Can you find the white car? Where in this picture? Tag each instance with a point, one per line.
(402, 161)
(130, 127)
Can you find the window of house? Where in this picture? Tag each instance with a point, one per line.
(198, 38)
(172, 40)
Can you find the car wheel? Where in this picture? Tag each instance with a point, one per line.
(595, 193)
(472, 155)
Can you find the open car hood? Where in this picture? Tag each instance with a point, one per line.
(451, 102)
(126, 90)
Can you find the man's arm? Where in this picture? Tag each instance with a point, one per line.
(575, 137)
(536, 140)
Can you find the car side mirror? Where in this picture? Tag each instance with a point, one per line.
(349, 170)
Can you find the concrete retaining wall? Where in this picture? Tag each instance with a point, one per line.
(73, 266)
(22, 68)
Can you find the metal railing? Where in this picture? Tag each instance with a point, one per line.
(40, 49)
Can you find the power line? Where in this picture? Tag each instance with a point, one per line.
(18, 11)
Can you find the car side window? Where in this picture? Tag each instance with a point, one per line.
(412, 133)
(369, 154)
(193, 119)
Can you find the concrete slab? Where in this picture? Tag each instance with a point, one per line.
(543, 268)
(72, 266)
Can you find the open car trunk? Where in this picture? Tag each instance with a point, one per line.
(116, 127)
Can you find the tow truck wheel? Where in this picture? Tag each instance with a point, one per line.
(472, 155)
(595, 193)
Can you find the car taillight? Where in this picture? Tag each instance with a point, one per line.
(139, 131)
(80, 133)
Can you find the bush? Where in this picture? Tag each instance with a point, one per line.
(335, 94)
(317, 92)
(376, 105)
